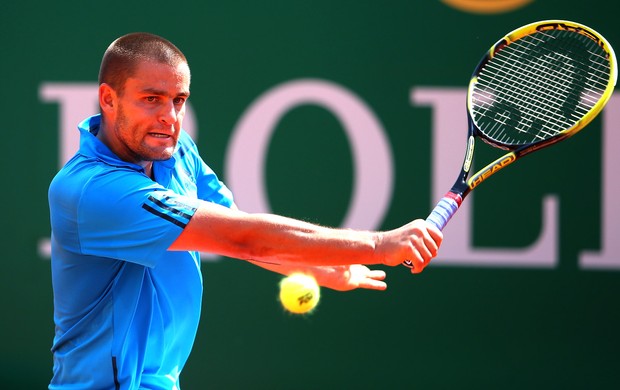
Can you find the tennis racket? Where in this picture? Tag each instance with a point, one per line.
(538, 85)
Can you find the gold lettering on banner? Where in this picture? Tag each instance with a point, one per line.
(487, 6)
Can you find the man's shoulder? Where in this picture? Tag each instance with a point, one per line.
(86, 178)
(82, 169)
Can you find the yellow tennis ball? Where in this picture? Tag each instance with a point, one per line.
(299, 293)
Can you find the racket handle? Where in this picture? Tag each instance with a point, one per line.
(441, 214)
(444, 210)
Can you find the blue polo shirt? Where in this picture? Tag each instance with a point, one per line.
(126, 309)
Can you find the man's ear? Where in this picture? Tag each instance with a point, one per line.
(107, 98)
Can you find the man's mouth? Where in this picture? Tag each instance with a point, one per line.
(160, 135)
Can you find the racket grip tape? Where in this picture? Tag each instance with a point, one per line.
(444, 210)
(441, 214)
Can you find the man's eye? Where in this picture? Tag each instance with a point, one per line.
(151, 99)
(179, 100)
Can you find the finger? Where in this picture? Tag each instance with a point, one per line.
(435, 233)
(418, 269)
(434, 243)
(422, 258)
(417, 262)
(424, 247)
(373, 284)
(376, 274)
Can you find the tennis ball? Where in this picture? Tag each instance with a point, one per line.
(299, 293)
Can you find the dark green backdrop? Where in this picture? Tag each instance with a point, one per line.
(462, 326)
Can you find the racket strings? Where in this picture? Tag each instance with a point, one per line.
(580, 55)
(541, 100)
(556, 81)
(543, 105)
(539, 86)
(536, 100)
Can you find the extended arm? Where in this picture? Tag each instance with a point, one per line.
(337, 277)
(269, 238)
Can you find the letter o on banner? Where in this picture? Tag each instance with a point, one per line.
(372, 155)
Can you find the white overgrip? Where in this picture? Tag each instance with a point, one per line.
(443, 211)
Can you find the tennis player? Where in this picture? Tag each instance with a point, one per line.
(133, 208)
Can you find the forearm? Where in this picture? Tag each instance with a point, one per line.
(334, 277)
(319, 272)
(292, 241)
(338, 277)
(270, 238)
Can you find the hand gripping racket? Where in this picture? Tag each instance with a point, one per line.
(538, 85)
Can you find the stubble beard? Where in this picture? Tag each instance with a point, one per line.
(138, 148)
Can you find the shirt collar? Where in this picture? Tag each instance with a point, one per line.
(91, 146)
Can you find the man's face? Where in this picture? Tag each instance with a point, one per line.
(148, 116)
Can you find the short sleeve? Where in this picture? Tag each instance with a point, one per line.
(126, 216)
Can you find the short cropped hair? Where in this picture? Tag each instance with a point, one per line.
(123, 55)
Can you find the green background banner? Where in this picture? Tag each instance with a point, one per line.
(340, 113)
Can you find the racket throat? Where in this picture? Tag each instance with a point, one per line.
(490, 169)
(456, 197)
